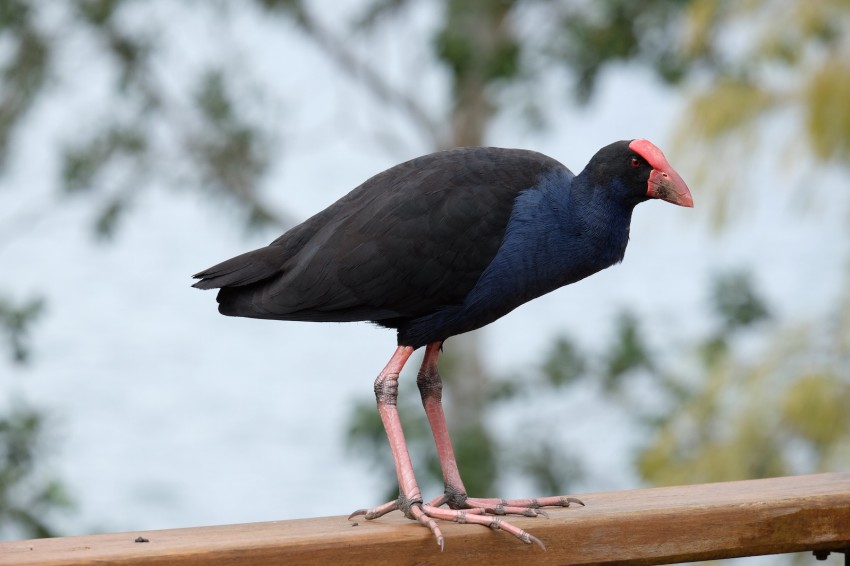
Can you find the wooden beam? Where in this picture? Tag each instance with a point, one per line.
(639, 527)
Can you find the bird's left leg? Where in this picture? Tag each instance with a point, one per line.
(455, 496)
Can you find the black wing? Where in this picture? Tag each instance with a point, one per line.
(404, 243)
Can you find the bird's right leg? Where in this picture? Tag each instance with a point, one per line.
(409, 500)
(455, 495)
(431, 390)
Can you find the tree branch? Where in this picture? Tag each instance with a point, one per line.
(343, 57)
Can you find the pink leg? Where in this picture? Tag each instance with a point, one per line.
(386, 393)
(410, 499)
(431, 390)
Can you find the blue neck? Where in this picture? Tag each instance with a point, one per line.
(560, 231)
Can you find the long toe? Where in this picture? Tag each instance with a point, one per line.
(428, 514)
(463, 517)
(423, 517)
(415, 510)
(378, 511)
(525, 507)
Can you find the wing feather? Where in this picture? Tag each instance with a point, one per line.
(407, 241)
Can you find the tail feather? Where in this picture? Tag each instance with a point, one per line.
(241, 270)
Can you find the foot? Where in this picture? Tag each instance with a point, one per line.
(462, 509)
(426, 514)
(465, 509)
(493, 506)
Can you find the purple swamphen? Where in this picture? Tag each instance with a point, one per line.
(438, 246)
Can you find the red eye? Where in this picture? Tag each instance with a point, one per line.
(636, 162)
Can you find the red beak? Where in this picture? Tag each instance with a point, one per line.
(669, 186)
(664, 182)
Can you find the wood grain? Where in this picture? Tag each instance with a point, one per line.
(638, 527)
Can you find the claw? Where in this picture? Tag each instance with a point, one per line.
(486, 512)
(536, 541)
(378, 511)
(426, 520)
(470, 516)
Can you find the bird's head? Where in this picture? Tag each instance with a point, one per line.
(663, 182)
(640, 170)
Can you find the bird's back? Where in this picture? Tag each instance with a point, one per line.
(408, 241)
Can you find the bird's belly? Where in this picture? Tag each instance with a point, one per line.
(486, 303)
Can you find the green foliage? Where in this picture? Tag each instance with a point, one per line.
(737, 307)
(130, 49)
(795, 61)
(814, 408)
(292, 5)
(475, 42)
(803, 42)
(84, 162)
(743, 417)
(565, 363)
(730, 105)
(146, 134)
(736, 303)
(551, 468)
(230, 152)
(97, 12)
(725, 415)
(627, 352)
(479, 464)
(741, 63)
(594, 36)
(14, 14)
(86, 167)
(16, 321)
(827, 112)
(27, 496)
(23, 72)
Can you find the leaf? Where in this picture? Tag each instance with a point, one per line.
(108, 217)
(825, 100)
(97, 12)
(735, 300)
(565, 363)
(627, 353)
(18, 320)
(728, 106)
(815, 407)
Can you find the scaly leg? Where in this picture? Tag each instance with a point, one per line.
(431, 390)
(410, 500)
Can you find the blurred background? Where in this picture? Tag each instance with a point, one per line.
(142, 141)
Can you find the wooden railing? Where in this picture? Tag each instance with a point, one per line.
(639, 527)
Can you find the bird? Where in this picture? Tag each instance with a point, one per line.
(441, 245)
